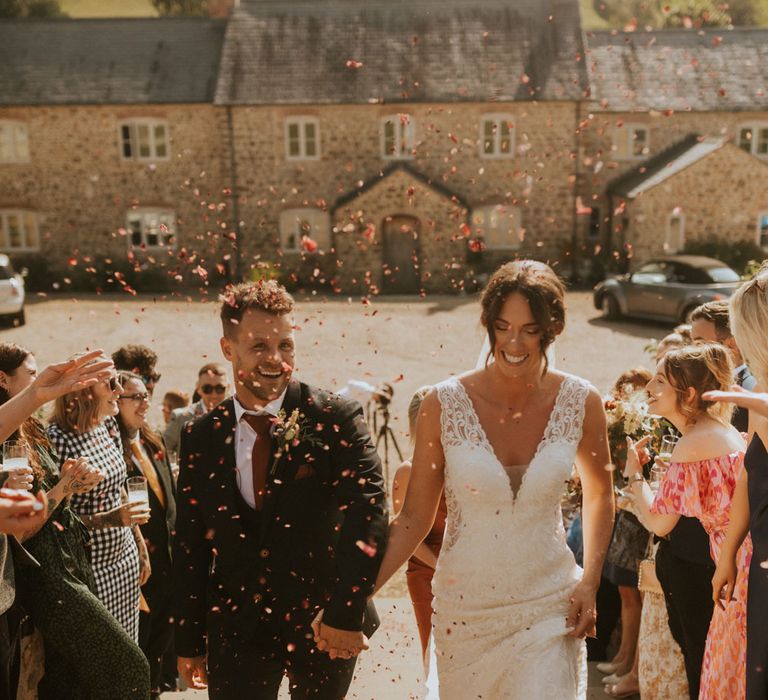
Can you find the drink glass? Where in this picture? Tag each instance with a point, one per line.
(137, 490)
(15, 456)
(668, 443)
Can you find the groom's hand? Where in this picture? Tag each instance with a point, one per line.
(193, 671)
(338, 644)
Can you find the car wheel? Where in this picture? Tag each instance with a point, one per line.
(610, 307)
(18, 319)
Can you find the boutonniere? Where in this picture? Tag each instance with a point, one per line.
(290, 431)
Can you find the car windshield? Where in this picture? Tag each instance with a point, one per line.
(722, 274)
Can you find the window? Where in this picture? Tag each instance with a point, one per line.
(302, 138)
(19, 230)
(674, 241)
(631, 141)
(497, 139)
(652, 273)
(398, 136)
(152, 228)
(14, 142)
(498, 225)
(753, 138)
(762, 230)
(296, 225)
(144, 139)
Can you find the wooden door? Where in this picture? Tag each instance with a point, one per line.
(401, 273)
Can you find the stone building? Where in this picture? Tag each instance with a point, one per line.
(394, 146)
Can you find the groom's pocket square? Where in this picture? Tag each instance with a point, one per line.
(304, 472)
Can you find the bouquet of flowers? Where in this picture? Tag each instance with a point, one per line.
(628, 416)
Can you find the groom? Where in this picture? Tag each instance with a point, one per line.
(280, 515)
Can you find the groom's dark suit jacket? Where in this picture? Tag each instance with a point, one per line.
(318, 540)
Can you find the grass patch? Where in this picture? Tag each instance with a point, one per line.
(590, 20)
(107, 8)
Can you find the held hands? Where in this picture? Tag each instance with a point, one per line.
(582, 612)
(338, 644)
(193, 671)
(740, 397)
(77, 476)
(724, 581)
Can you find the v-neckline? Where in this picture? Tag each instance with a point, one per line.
(486, 443)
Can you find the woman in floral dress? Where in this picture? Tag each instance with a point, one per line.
(700, 483)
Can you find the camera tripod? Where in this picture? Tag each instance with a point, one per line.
(385, 433)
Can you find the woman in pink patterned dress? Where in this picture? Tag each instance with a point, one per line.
(700, 483)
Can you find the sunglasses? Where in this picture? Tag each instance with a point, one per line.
(138, 398)
(213, 388)
(114, 384)
(151, 378)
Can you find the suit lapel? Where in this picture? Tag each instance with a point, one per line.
(223, 460)
(285, 468)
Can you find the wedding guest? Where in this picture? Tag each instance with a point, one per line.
(58, 594)
(212, 387)
(685, 331)
(700, 482)
(627, 546)
(140, 360)
(710, 324)
(501, 441)
(669, 342)
(145, 456)
(83, 425)
(749, 514)
(173, 399)
(421, 566)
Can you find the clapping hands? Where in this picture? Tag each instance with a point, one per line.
(338, 644)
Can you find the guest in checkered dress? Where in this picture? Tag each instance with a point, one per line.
(83, 425)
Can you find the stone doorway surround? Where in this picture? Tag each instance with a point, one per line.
(363, 218)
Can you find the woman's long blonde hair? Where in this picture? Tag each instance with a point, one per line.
(703, 367)
(76, 412)
(749, 323)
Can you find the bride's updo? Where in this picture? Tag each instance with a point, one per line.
(543, 289)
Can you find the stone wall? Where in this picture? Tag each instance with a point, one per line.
(720, 196)
(82, 189)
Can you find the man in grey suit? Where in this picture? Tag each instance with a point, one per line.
(212, 387)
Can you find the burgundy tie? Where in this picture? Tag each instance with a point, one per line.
(260, 455)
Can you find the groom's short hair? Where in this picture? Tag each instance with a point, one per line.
(265, 295)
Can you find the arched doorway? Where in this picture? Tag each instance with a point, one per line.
(401, 268)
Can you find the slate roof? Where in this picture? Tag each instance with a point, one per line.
(109, 61)
(707, 70)
(664, 165)
(371, 182)
(297, 51)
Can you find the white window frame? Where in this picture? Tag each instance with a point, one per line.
(29, 228)
(134, 126)
(405, 136)
(152, 218)
(763, 215)
(318, 228)
(498, 119)
(758, 147)
(672, 246)
(624, 141)
(14, 142)
(301, 123)
(506, 237)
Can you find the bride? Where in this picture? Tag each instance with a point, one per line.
(511, 607)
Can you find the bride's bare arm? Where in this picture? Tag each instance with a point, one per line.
(592, 460)
(414, 521)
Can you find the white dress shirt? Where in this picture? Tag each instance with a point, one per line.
(245, 437)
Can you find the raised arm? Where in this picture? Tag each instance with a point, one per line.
(592, 461)
(414, 521)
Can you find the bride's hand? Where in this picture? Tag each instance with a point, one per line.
(582, 612)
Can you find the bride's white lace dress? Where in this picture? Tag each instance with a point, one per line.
(505, 573)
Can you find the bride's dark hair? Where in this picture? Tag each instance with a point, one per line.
(543, 289)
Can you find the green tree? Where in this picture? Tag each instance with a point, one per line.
(30, 8)
(662, 14)
(180, 7)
